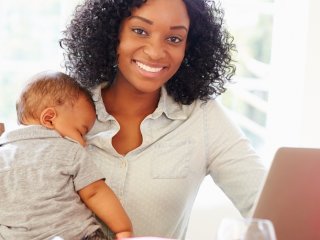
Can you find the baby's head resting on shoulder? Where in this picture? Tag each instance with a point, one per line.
(56, 101)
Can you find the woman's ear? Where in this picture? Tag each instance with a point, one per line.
(47, 116)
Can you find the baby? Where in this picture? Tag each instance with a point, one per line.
(49, 187)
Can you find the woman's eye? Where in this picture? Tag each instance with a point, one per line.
(174, 39)
(139, 31)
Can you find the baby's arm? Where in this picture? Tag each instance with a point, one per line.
(104, 203)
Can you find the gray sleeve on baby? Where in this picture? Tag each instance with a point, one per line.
(84, 170)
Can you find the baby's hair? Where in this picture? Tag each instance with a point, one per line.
(48, 89)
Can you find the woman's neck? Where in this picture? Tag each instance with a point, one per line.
(120, 100)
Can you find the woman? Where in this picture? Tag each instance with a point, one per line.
(154, 68)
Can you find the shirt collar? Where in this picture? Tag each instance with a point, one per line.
(102, 114)
(167, 105)
(27, 132)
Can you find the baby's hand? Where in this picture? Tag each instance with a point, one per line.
(123, 235)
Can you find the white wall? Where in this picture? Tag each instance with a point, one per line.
(310, 122)
(288, 73)
(293, 117)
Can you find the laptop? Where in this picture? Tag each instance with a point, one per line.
(290, 197)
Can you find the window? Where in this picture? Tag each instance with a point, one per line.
(29, 33)
(248, 97)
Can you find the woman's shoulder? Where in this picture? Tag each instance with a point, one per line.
(211, 105)
(213, 111)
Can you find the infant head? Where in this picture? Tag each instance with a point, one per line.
(56, 101)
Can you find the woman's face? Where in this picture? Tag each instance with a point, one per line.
(152, 44)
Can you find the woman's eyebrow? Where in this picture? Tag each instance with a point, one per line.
(179, 27)
(142, 19)
(151, 22)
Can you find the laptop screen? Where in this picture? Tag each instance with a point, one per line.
(290, 197)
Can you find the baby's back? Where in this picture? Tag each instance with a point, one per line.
(38, 197)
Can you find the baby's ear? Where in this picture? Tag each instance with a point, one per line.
(47, 116)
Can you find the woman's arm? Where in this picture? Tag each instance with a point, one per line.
(104, 203)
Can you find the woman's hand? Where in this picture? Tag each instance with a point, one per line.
(1, 128)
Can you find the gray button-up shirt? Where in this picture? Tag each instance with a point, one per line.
(157, 182)
(40, 173)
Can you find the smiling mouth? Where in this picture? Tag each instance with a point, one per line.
(148, 68)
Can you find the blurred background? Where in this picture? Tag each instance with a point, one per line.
(273, 98)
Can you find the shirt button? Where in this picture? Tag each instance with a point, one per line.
(95, 97)
(123, 164)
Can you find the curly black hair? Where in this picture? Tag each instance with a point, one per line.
(91, 40)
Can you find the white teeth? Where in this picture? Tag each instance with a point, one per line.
(147, 68)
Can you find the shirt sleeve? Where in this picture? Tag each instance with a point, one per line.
(233, 164)
(85, 170)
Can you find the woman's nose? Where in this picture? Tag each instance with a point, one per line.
(155, 49)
